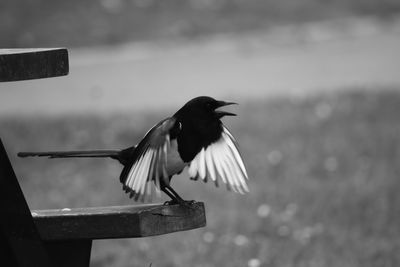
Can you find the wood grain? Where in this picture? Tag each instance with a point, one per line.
(117, 221)
(34, 63)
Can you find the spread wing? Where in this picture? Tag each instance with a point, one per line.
(149, 161)
(221, 161)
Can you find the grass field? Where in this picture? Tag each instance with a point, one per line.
(25, 23)
(324, 183)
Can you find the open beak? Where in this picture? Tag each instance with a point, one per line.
(221, 113)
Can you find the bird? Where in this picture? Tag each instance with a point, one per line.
(194, 138)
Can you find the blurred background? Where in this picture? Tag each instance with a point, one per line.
(318, 86)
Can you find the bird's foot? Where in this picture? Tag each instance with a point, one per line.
(189, 202)
(186, 203)
(171, 202)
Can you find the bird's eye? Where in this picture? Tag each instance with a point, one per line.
(208, 105)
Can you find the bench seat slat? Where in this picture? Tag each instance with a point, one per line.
(117, 221)
(32, 63)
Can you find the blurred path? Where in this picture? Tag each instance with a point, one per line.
(142, 76)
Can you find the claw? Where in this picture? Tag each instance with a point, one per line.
(171, 202)
(188, 204)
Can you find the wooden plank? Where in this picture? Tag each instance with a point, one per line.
(26, 64)
(74, 253)
(18, 232)
(117, 221)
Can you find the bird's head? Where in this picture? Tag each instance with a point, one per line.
(205, 108)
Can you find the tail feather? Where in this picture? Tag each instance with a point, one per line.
(123, 156)
(73, 154)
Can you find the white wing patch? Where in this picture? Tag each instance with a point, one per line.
(151, 165)
(154, 164)
(221, 161)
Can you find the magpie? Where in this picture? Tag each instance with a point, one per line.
(193, 137)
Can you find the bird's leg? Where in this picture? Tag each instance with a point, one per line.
(173, 200)
(174, 193)
(181, 201)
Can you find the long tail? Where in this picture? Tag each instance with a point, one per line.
(123, 156)
(73, 154)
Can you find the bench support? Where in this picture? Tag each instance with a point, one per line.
(70, 253)
(18, 231)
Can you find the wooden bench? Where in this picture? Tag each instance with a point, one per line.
(64, 237)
